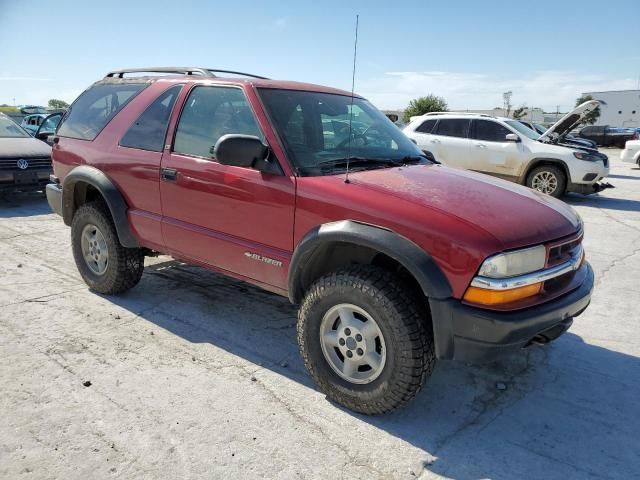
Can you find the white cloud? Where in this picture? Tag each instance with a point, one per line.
(461, 90)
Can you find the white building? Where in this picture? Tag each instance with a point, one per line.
(619, 108)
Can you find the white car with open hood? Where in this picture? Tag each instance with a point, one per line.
(506, 148)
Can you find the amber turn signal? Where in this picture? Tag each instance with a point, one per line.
(483, 296)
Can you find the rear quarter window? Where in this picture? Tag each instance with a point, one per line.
(95, 108)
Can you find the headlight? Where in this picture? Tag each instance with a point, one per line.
(586, 156)
(514, 263)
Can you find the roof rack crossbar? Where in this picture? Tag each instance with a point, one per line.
(178, 70)
(205, 72)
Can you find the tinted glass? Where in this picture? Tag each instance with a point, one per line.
(520, 128)
(426, 126)
(315, 130)
(8, 128)
(50, 124)
(489, 131)
(453, 127)
(149, 130)
(95, 108)
(208, 114)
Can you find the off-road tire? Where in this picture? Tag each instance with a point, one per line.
(404, 321)
(125, 265)
(557, 172)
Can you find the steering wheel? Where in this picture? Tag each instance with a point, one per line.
(344, 142)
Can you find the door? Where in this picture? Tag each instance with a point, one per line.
(452, 143)
(423, 138)
(491, 152)
(238, 220)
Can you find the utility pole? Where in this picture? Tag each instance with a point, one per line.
(506, 96)
(557, 112)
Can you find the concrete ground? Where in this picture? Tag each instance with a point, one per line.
(193, 375)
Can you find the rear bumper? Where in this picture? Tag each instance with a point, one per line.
(54, 197)
(472, 334)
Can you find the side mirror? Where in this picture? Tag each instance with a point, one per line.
(239, 150)
(42, 135)
(512, 137)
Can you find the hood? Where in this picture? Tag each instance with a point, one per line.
(513, 215)
(570, 120)
(23, 148)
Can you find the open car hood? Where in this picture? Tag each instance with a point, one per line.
(570, 120)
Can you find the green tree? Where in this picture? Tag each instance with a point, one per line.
(422, 105)
(518, 113)
(591, 117)
(55, 103)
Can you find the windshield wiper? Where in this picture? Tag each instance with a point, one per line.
(359, 161)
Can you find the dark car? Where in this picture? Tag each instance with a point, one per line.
(25, 162)
(567, 138)
(393, 259)
(607, 136)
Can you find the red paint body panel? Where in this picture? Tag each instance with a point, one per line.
(215, 215)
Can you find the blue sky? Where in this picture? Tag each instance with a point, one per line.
(546, 52)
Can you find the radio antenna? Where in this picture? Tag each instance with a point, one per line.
(353, 84)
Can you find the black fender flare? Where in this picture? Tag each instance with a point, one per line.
(112, 196)
(413, 258)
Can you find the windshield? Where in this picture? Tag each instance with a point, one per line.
(314, 128)
(8, 129)
(526, 131)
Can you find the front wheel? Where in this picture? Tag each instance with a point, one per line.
(548, 179)
(366, 339)
(104, 264)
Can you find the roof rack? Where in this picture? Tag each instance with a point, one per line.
(459, 113)
(205, 72)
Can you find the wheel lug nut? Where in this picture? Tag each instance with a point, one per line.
(341, 341)
(349, 353)
(359, 337)
(360, 352)
(347, 331)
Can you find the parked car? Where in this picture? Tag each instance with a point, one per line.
(48, 127)
(31, 123)
(631, 152)
(25, 163)
(394, 260)
(505, 148)
(607, 136)
(567, 138)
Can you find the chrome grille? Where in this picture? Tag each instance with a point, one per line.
(34, 163)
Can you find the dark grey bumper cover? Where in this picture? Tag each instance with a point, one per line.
(473, 334)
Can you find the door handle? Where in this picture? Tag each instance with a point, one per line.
(435, 140)
(480, 145)
(169, 174)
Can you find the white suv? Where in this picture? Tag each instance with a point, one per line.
(506, 148)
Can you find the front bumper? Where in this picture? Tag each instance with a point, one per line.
(630, 156)
(473, 334)
(54, 197)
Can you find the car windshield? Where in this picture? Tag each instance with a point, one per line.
(8, 129)
(526, 131)
(314, 128)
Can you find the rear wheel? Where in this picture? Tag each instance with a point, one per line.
(548, 179)
(366, 339)
(104, 264)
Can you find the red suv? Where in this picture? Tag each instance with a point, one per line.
(312, 193)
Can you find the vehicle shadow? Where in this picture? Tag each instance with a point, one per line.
(568, 410)
(602, 201)
(625, 177)
(23, 204)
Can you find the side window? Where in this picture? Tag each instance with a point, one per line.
(208, 114)
(94, 108)
(149, 130)
(426, 126)
(453, 127)
(489, 131)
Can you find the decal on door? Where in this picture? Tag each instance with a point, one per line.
(263, 259)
